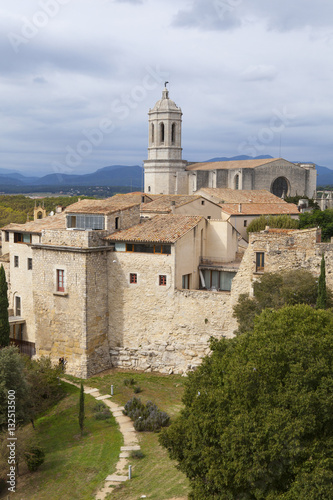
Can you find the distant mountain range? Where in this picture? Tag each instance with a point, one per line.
(115, 175)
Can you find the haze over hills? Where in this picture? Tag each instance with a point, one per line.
(114, 175)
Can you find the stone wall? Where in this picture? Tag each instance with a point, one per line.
(126, 218)
(154, 327)
(73, 238)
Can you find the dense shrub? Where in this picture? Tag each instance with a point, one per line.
(146, 417)
(101, 412)
(274, 221)
(34, 457)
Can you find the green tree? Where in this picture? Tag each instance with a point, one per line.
(81, 409)
(12, 378)
(318, 218)
(4, 323)
(275, 290)
(257, 421)
(322, 292)
(44, 386)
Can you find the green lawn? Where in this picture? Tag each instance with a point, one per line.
(155, 475)
(75, 467)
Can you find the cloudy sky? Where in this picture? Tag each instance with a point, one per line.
(79, 76)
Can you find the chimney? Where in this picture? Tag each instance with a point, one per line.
(239, 207)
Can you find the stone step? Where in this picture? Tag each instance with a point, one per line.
(134, 447)
(90, 391)
(118, 479)
(124, 454)
(103, 397)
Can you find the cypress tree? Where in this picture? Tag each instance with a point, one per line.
(4, 323)
(81, 409)
(322, 293)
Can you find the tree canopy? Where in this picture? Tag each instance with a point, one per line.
(258, 417)
(275, 290)
(4, 322)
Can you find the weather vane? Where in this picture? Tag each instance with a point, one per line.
(165, 84)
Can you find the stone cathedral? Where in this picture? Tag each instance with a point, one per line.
(167, 173)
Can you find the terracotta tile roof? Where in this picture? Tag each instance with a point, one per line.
(228, 195)
(159, 229)
(164, 202)
(105, 207)
(131, 197)
(229, 165)
(57, 221)
(259, 208)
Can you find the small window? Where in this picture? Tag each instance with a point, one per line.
(6, 236)
(173, 133)
(245, 223)
(29, 264)
(162, 133)
(186, 281)
(260, 262)
(133, 278)
(17, 306)
(152, 133)
(16, 261)
(116, 223)
(202, 202)
(60, 280)
(162, 280)
(148, 189)
(209, 217)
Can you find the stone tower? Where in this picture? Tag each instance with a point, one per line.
(165, 169)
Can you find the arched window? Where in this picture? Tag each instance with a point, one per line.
(236, 181)
(280, 187)
(162, 132)
(152, 133)
(173, 133)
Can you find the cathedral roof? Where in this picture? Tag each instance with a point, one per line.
(159, 229)
(230, 165)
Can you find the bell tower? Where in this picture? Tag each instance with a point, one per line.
(165, 169)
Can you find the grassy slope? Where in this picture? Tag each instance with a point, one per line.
(155, 475)
(74, 466)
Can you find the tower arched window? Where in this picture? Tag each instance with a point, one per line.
(152, 133)
(236, 181)
(162, 132)
(173, 133)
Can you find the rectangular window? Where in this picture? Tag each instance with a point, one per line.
(186, 281)
(217, 280)
(133, 278)
(29, 264)
(86, 221)
(116, 223)
(16, 261)
(26, 238)
(60, 280)
(17, 306)
(260, 262)
(6, 236)
(245, 223)
(147, 248)
(18, 237)
(162, 280)
(202, 202)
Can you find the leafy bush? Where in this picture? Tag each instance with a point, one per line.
(101, 411)
(137, 389)
(274, 221)
(129, 382)
(34, 457)
(146, 417)
(137, 454)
